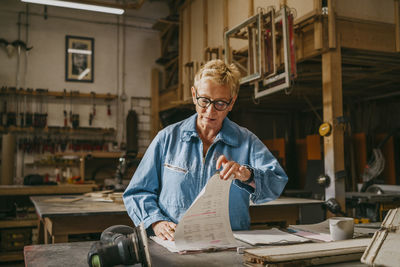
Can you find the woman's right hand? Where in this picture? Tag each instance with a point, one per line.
(164, 230)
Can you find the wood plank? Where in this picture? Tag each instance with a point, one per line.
(331, 24)
(333, 108)
(307, 251)
(86, 206)
(251, 8)
(11, 256)
(86, 224)
(17, 223)
(283, 201)
(155, 104)
(384, 246)
(358, 34)
(14, 190)
(179, 91)
(318, 42)
(226, 15)
(205, 28)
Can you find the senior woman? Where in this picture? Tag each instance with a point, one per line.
(183, 156)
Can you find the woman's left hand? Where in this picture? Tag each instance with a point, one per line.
(232, 168)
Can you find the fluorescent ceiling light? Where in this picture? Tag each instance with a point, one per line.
(117, 11)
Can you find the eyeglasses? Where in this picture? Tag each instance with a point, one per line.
(205, 102)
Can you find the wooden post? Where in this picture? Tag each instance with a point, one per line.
(155, 105)
(251, 8)
(186, 90)
(180, 56)
(205, 28)
(82, 167)
(331, 24)
(397, 22)
(8, 159)
(332, 109)
(226, 15)
(318, 25)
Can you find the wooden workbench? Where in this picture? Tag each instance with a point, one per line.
(60, 219)
(75, 254)
(18, 190)
(11, 194)
(283, 209)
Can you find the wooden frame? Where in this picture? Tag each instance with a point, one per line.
(79, 59)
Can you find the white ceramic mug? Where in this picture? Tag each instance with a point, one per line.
(341, 228)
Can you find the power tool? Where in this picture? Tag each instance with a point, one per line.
(120, 245)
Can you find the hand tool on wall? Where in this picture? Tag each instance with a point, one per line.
(11, 114)
(108, 109)
(120, 245)
(74, 118)
(3, 111)
(93, 113)
(29, 114)
(75, 121)
(40, 117)
(70, 107)
(23, 107)
(65, 109)
(108, 99)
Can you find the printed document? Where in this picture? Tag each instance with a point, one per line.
(206, 223)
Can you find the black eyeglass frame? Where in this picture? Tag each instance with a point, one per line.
(209, 102)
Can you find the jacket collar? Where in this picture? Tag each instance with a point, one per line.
(228, 133)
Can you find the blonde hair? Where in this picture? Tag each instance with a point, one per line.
(217, 71)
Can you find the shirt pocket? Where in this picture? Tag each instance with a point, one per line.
(175, 168)
(177, 186)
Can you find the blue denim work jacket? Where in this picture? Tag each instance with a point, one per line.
(173, 171)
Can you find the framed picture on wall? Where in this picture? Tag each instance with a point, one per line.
(79, 59)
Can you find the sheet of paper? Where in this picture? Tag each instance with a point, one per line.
(317, 228)
(314, 236)
(206, 223)
(170, 245)
(268, 237)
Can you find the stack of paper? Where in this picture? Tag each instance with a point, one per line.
(205, 225)
(272, 236)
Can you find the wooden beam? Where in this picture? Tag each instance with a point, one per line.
(251, 8)
(332, 109)
(155, 103)
(180, 56)
(226, 15)
(397, 23)
(357, 34)
(331, 24)
(189, 25)
(205, 28)
(318, 40)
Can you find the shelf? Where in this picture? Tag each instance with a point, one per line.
(11, 256)
(59, 130)
(15, 190)
(17, 223)
(57, 94)
(99, 154)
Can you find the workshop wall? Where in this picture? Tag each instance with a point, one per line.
(44, 65)
(125, 50)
